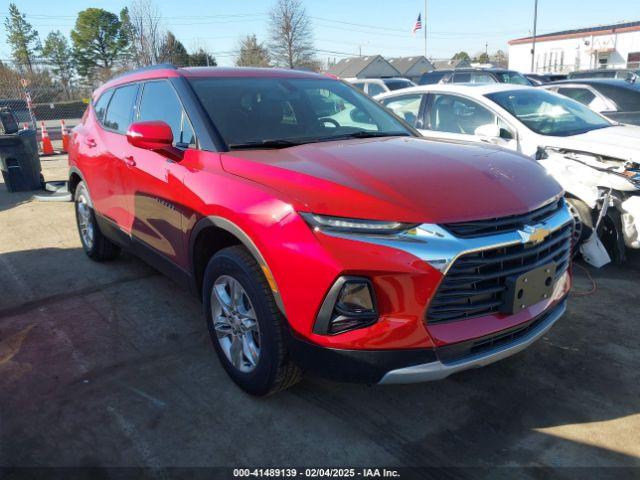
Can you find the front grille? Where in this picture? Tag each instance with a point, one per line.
(474, 284)
(481, 228)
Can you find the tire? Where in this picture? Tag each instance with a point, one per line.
(94, 243)
(583, 218)
(257, 321)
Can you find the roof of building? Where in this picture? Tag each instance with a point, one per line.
(352, 66)
(404, 64)
(580, 32)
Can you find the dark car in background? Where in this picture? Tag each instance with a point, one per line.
(620, 73)
(616, 99)
(474, 75)
(542, 78)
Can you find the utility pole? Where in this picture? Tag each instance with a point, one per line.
(486, 48)
(533, 46)
(425, 28)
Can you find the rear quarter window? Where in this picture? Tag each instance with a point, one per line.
(100, 106)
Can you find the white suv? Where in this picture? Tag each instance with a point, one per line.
(376, 86)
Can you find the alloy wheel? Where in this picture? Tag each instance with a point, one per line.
(85, 222)
(235, 323)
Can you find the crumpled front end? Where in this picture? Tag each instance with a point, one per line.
(609, 186)
(630, 209)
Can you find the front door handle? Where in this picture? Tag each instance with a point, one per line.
(90, 142)
(129, 161)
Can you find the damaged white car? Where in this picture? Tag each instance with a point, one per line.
(597, 161)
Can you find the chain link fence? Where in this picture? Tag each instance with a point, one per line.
(37, 96)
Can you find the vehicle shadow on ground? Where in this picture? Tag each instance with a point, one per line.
(111, 364)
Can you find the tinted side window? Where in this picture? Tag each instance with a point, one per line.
(375, 89)
(406, 106)
(461, 77)
(431, 78)
(453, 114)
(627, 99)
(397, 84)
(120, 111)
(582, 95)
(160, 102)
(100, 107)
(482, 77)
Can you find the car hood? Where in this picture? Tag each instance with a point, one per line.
(399, 178)
(620, 141)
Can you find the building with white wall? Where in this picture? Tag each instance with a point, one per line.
(606, 46)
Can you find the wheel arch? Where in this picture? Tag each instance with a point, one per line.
(213, 233)
(75, 177)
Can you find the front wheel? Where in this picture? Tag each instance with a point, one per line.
(94, 243)
(246, 328)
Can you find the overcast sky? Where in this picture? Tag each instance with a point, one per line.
(342, 27)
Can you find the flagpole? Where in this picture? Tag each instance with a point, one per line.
(425, 28)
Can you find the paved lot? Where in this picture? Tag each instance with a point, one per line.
(111, 365)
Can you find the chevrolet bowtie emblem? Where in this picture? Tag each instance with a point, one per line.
(533, 234)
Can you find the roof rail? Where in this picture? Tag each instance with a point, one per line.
(159, 66)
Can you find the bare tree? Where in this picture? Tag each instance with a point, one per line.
(147, 32)
(291, 42)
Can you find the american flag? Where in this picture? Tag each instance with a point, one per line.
(418, 25)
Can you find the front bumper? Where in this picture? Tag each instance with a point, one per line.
(420, 365)
(496, 351)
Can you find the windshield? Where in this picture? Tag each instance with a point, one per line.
(513, 77)
(280, 112)
(548, 113)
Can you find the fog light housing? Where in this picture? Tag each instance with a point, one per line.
(350, 304)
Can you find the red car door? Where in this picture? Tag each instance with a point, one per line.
(154, 183)
(105, 146)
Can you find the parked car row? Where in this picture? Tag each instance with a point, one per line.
(597, 161)
(324, 233)
(376, 86)
(618, 100)
(618, 73)
(474, 75)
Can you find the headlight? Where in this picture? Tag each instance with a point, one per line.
(355, 225)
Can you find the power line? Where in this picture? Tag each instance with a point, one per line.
(242, 17)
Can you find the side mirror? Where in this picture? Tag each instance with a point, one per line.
(155, 136)
(488, 132)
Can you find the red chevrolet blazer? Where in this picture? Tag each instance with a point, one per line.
(320, 232)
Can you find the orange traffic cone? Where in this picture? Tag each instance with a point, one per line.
(25, 126)
(65, 137)
(47, 147)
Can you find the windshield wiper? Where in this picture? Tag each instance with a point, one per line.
(364, 134)
(268, 143)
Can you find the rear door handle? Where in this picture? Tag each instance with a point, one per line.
(129, 161)
(90, 142)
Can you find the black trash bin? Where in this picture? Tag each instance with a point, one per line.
(19, 161)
